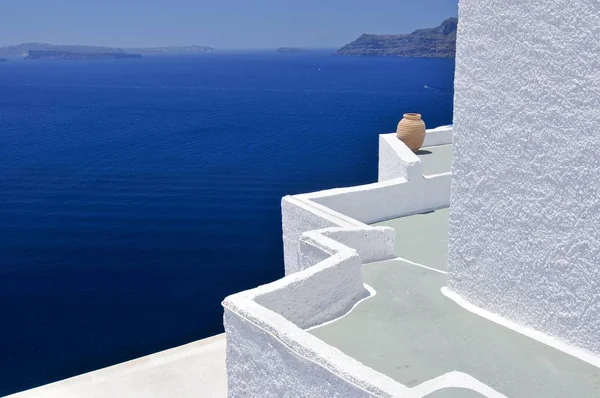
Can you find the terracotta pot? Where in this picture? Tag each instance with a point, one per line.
(411, 131)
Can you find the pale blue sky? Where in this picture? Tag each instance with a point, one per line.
(224, 24)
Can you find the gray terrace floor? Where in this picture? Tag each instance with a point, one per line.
(436, 159)
(411, 332)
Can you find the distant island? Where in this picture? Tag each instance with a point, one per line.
(172, 50)
(23, 50)
(66, 55)
(292, 50)
(438, 42)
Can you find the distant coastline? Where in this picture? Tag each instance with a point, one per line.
(292, 50)
(66, 55)
(24, 50)
(171, 50)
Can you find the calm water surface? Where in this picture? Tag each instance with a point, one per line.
(136, 194)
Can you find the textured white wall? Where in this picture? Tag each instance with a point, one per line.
(268, 352)
(371, 243)
(327, 292)
(259, 365)
(524, 234)
(299, 216)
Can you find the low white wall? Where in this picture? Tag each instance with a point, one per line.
(389, 199)
(272, 362)
(371, 243)
(438, 136)
(327, 291)
(268, 352)
(396, 160)
(326, 241)
(374, 202)
(402, 190)
(270, 355)
(434, 189)
(299, 216)
(286, 362)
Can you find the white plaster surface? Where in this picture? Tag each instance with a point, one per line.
(438, 136)
(260, 365)
(192, 370)
(402, 189)
(264, 360)
(318, 294)
(270, 356)
(524, 232)
(389, 199)
(370, 243)
(269, 353)
(299, 216)
(396, 159)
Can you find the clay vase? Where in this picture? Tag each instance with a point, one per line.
(411, 131)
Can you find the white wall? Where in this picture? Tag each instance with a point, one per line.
(268, 352)
(371, 243)
(524, 233)
(325, 244)
(337, 286)
(438, 136)
(259, 365)
(299, 216)
(386, 200)
(397, 160)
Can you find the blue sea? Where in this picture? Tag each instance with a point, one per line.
(136, 194)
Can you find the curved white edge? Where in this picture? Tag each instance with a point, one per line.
(551, 341)
(455, 380)
(372, 293)
(439, 271)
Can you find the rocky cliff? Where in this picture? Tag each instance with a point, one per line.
(437, 42)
